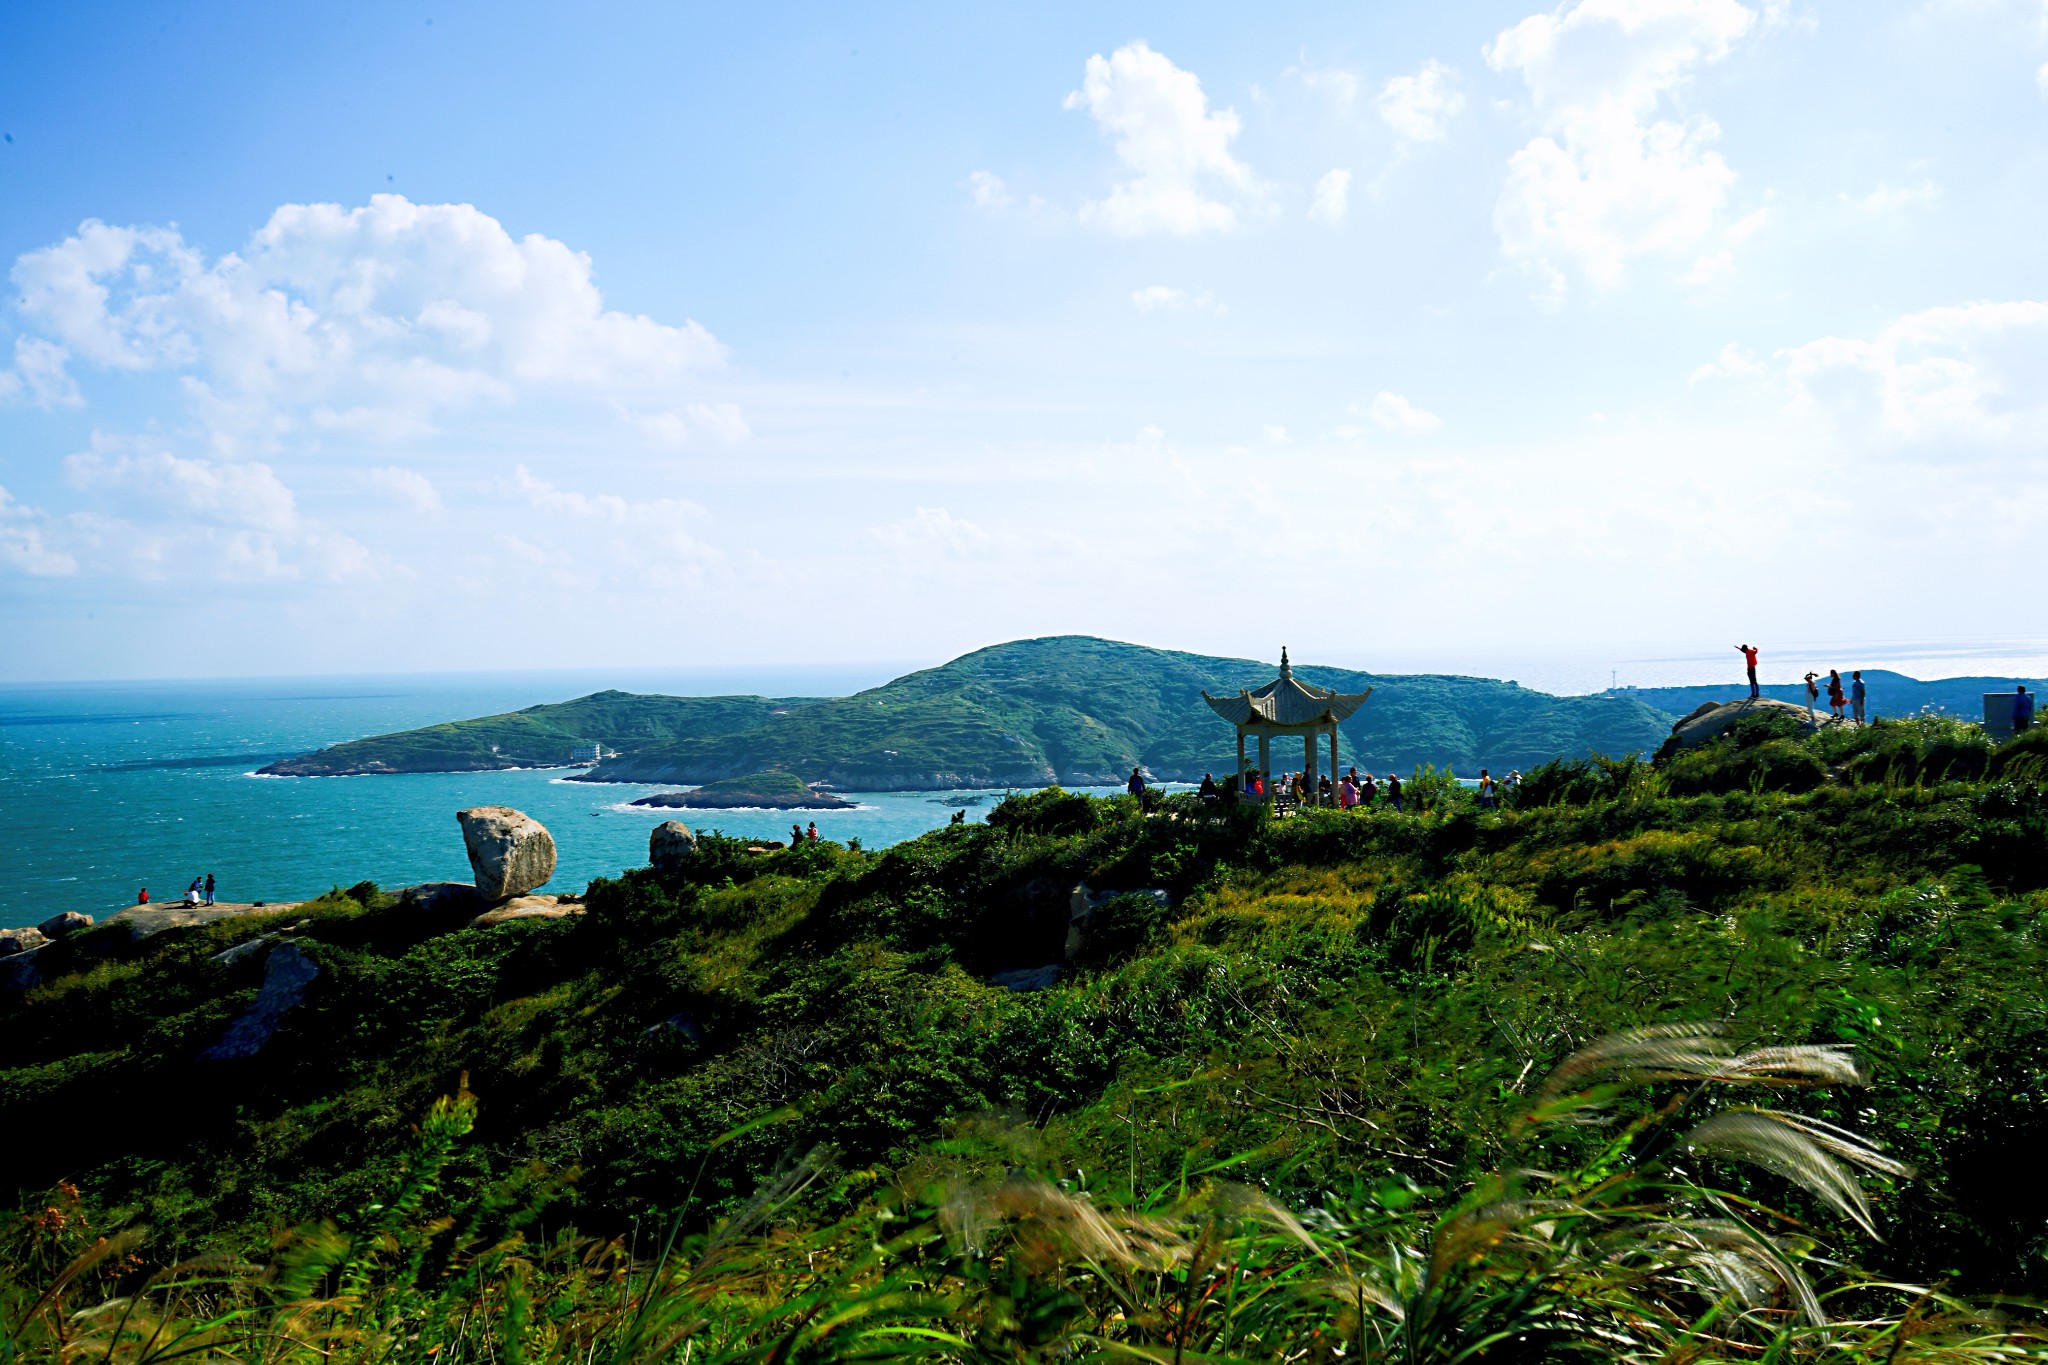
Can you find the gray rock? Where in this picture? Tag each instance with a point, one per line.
(14, 941)
(287, 972)
(510, 851)
(670, 846)
(436, 896)
(1710, 719)
(21, 972)
(70, 922)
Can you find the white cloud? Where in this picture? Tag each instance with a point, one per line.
(171, 488)
(407, 487)
(366, 321)
(1968, 378)
(1164, 298)
(932, 533)
(1332, 197)
(1734, 362)
(1888, 199)
(1420, 107)
(988, 191)
(39, 372)
(1338, 86)
(1609, 180)
(678, 427)
(1158, 120)
(22, 543)
(1392, 412)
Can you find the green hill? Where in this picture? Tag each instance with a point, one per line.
(1069, 709)
(1328, 1031)
(772, 791)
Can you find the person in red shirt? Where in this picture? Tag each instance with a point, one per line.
(142, 896)
(1749, 658)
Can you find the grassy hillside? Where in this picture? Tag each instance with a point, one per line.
(1067, 709)
(536, 737)
(1348, 1014)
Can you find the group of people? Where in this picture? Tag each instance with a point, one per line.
(1845, 701)
(799, 836)
(199, 893)
(1352, 790)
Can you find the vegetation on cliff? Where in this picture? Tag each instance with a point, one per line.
(1066, 709)
(1299, 1105)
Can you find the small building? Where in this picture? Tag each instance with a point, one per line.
(1287, 706)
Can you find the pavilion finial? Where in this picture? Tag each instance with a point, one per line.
(1285, 670)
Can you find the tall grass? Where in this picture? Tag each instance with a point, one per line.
(1653, 1241)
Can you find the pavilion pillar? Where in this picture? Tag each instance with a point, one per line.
(1239, 774)
(1336, 773)
(1265, 766)
(1309, 766)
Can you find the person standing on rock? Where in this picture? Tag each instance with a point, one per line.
(209, 888)
(1812, 693)
(1836, 700)
(1856, 694)
(1749, 660)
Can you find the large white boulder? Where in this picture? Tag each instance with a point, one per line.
(670, 846)
(510, 851)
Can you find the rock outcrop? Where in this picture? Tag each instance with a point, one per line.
(1710, 719)
(510, 851)
(14, 941)
(438, 896)
(671, 846)
(70, 922)
(287, 972)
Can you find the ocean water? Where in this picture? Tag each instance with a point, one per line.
(106, 788)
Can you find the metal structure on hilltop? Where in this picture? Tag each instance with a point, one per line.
(1287, 706)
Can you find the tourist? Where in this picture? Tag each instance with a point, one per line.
(1749, 661)
(1136, 786)
(1324, 791)
(796, 836)
(811, 834)
(142, 896)
(1394, 790)
(209, 888)
(1347, 793)
(1258, 783)
(1856, 694)
(1207, 791)
(1486, 790)
(2022, 708)
(1368, 791)
(194, 892)
(1836, 701)
(1812, 693)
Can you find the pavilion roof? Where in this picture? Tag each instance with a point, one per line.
(1287, 701)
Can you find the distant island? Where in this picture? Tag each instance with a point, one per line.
(766, 791)
(1068, 709)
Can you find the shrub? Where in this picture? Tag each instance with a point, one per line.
(1052, 812)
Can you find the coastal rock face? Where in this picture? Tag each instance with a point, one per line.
(14, 941)
(670, 846)
(510, 851)
(70, 922)
(437, 896)
(286, 974)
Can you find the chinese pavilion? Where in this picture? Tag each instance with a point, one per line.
(1287, 706)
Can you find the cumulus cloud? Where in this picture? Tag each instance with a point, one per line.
(1609, 179)
(1967, 378)
(988, 191)
(368, 321)
(932, 533)
(171, 488)
(1332, 197)
(1158, 120)
(1164, 298)
(1419, 108)
(22, 542)
(406, 487)
(1392, 412)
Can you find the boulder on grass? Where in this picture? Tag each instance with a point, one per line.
(510, 851)
(14, 941)
(670, 846)
(70, 922)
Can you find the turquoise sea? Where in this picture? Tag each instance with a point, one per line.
(106, 788)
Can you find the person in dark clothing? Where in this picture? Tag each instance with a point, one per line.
(1368, 791)
(1836, 699)
(1857, 692)
(1394, 791)
(1487, 800)
(1207, 791)
(1749, 660)
(2022, 708)
(209, 888)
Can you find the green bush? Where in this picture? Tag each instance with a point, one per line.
(1050, 813)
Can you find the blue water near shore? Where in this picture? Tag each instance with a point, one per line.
(109, 787)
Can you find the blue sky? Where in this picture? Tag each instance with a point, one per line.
(498, 336)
